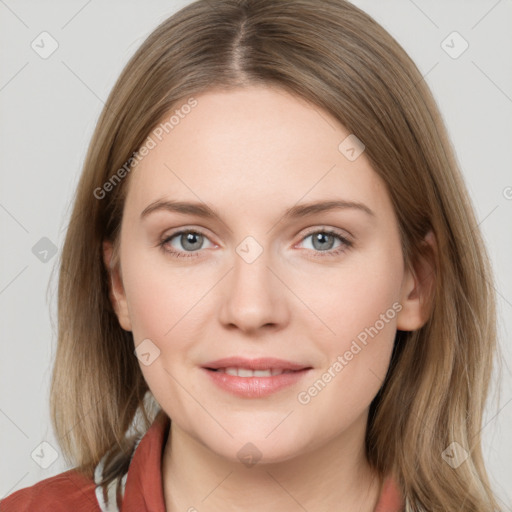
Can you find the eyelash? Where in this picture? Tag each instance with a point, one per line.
(346, 244)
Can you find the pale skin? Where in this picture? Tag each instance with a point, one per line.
(250, 154)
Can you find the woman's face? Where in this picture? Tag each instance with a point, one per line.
(321, 289)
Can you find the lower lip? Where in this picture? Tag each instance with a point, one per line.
(255, 387)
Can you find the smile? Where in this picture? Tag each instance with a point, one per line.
(247, 372)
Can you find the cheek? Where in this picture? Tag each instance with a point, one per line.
(372, 309)
(164, 307)
(360, 310)
(353, 297)
(161, 299)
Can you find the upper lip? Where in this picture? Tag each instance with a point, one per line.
(261, 363)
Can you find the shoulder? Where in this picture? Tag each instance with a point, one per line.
(66, 491)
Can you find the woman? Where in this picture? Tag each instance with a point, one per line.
(195, 295)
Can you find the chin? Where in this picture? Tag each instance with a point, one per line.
(249, 446)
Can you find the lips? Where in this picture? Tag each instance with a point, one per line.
(247, 372)
(262, 363)
(254, 378)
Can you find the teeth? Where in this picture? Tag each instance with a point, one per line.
(262, 373)
(242, 372)
(246, 372)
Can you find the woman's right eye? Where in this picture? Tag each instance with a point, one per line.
(189, 240)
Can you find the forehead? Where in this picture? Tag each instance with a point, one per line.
(250, 147)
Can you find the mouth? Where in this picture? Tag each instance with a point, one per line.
(254, 378)
(258, 364)
(247, 372)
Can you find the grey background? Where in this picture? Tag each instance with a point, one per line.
(48, 109)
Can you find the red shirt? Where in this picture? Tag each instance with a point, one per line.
(143, 491)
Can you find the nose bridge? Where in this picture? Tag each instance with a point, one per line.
(255, 297)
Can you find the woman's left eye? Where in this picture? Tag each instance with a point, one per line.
(323, 241)
(192, 241)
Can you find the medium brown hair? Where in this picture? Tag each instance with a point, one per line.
(337, 57)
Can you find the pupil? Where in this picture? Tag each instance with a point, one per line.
(321, 237)
(189, 240)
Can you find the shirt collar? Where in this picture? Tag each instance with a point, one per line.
(144, 490)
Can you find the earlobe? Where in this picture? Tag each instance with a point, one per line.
(116, 289)
(418, 288)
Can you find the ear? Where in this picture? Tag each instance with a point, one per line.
(418, 287)
(116, 289)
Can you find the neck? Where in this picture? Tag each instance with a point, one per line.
(334, 476)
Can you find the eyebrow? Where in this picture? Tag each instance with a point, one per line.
(297, 211)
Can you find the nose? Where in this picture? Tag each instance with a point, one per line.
(255, 298)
